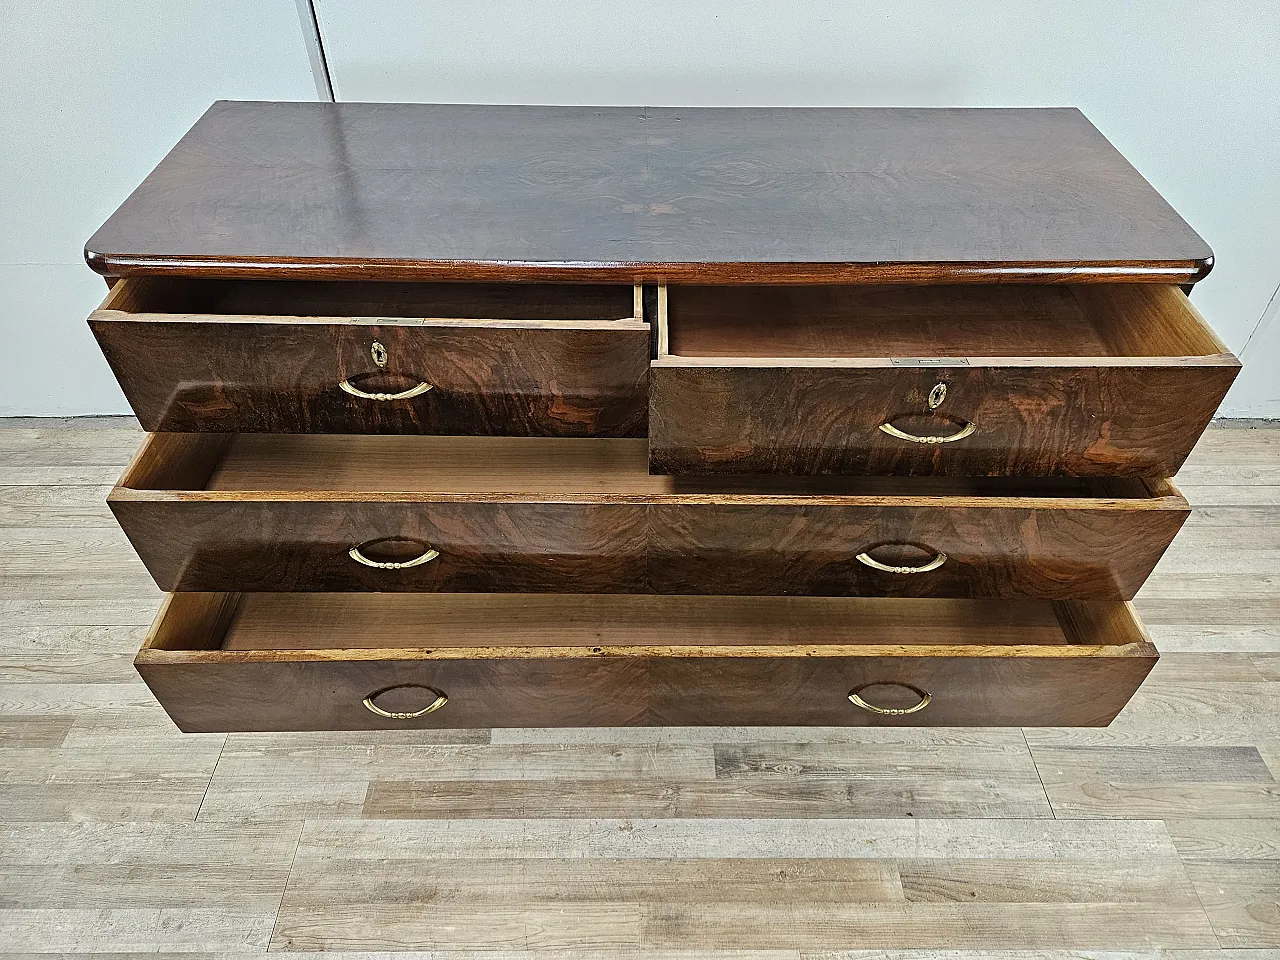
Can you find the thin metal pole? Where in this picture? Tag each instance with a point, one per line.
(315, 49)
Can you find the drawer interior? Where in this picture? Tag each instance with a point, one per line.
(238, 466)
(335, 299)
(881, 322)
(447, 626)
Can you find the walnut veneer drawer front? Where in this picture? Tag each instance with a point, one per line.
(355, 357)
(225, 662)
(263, 512)
(984, 380)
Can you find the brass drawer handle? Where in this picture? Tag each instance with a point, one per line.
(857, 701)
(440, 700)
(428, 555)
(874, 564)
(409, 394)
(893, 431)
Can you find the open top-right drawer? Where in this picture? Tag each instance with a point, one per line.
(1109, 379)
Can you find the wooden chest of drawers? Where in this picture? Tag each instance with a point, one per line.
(531, 416)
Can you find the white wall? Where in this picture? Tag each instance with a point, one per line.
(92, 94)
(1189, 90)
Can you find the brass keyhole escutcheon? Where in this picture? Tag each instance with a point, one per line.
(937, 395)
(379, 354)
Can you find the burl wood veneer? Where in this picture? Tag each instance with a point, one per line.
(1089, 380)
(472, 416)
(272, 512)
(519, 359)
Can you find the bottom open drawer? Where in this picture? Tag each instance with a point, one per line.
(339, 661)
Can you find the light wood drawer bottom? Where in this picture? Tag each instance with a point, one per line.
(246, 662)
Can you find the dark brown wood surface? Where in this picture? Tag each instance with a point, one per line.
(1032, 551)
(1082, 380)
(741, 195)
(249, 360)
(1039, 550)
(1082, 420)
(256, 695)
(719, 680)
(281, 513)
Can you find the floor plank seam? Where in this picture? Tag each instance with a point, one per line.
(1053, 813)
(288, 879)
(1195, 890)
(212, 773)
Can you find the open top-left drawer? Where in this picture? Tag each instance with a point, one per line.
(290, 356)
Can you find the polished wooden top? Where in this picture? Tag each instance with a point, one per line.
(729, 195)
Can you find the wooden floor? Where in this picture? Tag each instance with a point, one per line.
(1159, 836)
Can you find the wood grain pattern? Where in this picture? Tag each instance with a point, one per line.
(283, 545)
(1242, 900)
(880, 325)
(293, 661)
(1235, 867)
(1116, 380)
(981, 926)
(563, 361)
(820, 421)
(380, 774)
(1028, 550)
(262, 512)
(259, 695)
(540, 469)
(879, 320)
(412, 191)
(772, 910)
(882, 790)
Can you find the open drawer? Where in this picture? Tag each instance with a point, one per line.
(365, 357)
(280, 512)
(226, 662)
(981, 380)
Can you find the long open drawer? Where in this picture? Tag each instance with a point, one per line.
(268, 512)
(358, 661)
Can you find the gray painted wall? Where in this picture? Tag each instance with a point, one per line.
(92, 94)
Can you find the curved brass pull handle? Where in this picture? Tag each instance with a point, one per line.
(893, 431)
(430, 554)
(409, 394)
(874, 564)
(440, 700)
(857, 701)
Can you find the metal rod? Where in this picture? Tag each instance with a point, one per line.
(315, 50)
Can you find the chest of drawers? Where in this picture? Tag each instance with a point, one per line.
(532, 416)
